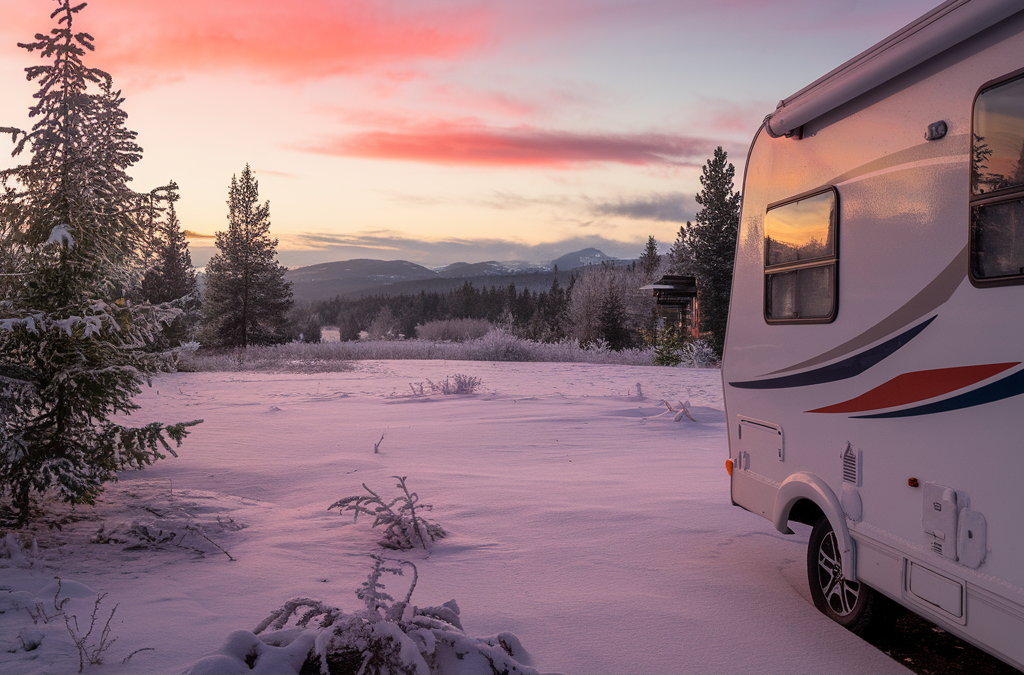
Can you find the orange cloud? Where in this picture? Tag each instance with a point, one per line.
(460, 144)
(311, 38)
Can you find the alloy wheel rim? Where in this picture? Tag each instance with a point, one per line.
(840, 595)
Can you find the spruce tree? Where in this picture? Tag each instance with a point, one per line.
(612, 321)
(650, 259)
(247, 297)
(171, 279)
(710, 244)
(680, 260)
(73, 351)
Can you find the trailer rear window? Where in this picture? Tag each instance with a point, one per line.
(800, 259)
(997, 185)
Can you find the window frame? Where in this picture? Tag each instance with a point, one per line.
(994, 198)
(825, 261)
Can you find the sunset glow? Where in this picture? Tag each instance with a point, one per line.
(445, 130)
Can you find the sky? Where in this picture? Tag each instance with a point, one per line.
(439, 131)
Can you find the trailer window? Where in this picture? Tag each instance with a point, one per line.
(800, 259)
(997, 185)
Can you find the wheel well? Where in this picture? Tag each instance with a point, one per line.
(805, 511)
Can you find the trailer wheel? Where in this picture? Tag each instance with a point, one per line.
(848, 603)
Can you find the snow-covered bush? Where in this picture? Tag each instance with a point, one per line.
(15, 554)
(453, 330)
(456, 384)
(698, 354)
(404, 528)
(384, 638)
(500, 345)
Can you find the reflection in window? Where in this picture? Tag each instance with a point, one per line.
(998, 138)
(997, 184)
(800, 230)
(800, 260)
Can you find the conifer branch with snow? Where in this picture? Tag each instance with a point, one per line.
(404, 528)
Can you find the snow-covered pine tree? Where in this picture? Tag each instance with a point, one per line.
(172, 279)
(711, 244)
(247, 297)
(72, 349)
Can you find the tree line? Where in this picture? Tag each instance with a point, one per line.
(600, 302)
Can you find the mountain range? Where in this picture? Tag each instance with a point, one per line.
(362, 276)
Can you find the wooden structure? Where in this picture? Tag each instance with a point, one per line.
(676, 298)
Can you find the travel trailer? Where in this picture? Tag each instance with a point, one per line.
(874, 359)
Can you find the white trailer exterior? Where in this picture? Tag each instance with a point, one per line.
(874, 359)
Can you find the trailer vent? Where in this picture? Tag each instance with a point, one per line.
(851, 465)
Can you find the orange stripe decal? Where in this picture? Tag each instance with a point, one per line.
(917, 386)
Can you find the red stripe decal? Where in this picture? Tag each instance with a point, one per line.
(917, 386)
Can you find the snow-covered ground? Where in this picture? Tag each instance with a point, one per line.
(581, 518)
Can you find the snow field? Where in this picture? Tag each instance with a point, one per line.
(580, 517)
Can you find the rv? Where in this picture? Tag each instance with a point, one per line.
(874, 360)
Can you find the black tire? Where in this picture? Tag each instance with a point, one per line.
(848, 603)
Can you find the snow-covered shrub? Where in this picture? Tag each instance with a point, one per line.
(385, 326)
(456, 384)
(698, 354)
(14, 554)
(453, 330)
(404, 528)
(500, 345)
(45, 614)
(384, 638)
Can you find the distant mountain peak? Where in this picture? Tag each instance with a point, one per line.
(582, 258)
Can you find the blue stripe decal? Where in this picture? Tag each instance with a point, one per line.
(850, 367)
(1012, 385)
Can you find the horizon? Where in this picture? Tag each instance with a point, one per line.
(453, 130)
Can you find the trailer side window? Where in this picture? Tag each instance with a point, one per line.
(800, 259)
(997, 185)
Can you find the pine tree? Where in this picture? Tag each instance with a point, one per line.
(172, 279)
(680, 260)
(73, 351)
(650, 259)
(612, 321)
(247, 297)
(710, 243)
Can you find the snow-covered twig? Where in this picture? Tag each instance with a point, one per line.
(141, 649)
(199, 530)
(681, 411)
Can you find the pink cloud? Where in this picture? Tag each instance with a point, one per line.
(455, 144)
(311, 38)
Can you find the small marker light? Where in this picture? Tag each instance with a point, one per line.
(912, 482)
(728, 466)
